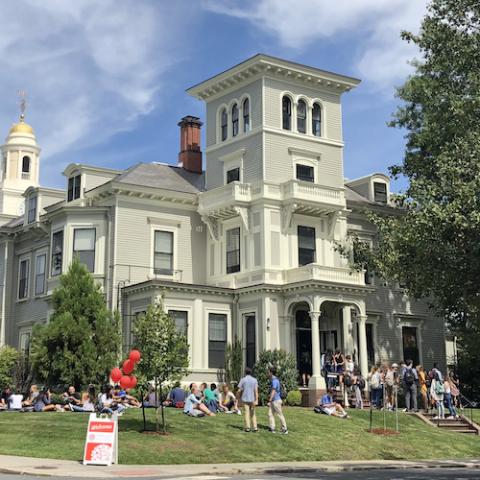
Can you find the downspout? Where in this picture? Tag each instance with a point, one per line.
(4, 283)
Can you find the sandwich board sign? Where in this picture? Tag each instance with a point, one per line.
(101, 446)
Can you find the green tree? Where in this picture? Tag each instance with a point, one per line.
(8, 361)
(286, 366)
(81, 342)
(434, 248)
(234, 363)
(164, 352)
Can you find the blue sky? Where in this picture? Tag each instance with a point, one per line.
(106, 80)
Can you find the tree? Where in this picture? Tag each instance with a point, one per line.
(81, 342)
(164, 352)
(286, 366)
(434, 247)
(234, 363)
(8, 361)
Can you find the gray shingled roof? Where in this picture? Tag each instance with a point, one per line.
(353, 196)
(168, 177)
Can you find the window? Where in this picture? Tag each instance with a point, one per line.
(181, 320)
(306, 245)
(26, 164)
(233, 250)
(57, 253)
(380, 192)
(23, 278)
(305, 173)
(25, 342)
(74, 187)
(250, 340)
(286, 113)
(217, 339)
(40, 265)
(246, 115)
(235, 120)
(233, 175)
(224, 124)
(84, 246)
(163, 253)
(32, 209)
(410, 345)
(302, 117)
(371, 344)
(317, 120)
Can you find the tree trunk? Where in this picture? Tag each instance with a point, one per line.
(164, 427)
(157, 426)
(143, 410)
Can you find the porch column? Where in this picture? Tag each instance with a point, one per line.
(316, 380)
(362, 345)
(347, 330)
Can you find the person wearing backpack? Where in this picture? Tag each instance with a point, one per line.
(437, 393)
(410, 379)
(275, 402)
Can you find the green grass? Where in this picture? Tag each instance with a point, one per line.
(221, 439)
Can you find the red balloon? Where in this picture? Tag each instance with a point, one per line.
(116, 374)
(125, 382)
(128, 367)
(133, 381)
(135, 356)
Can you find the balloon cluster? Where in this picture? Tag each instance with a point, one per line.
(123, 376)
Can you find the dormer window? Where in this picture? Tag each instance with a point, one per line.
(224, 124)
(235, 120)
(317, 120)
(246, 115)
(380, 192)
(286, 113)
(32, 210)
(302, 117)
(26, 167)
(74, 187)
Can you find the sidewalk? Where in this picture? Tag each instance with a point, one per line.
(42, 466)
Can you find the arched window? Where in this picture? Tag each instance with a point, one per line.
(235, 120)
(224, 124)
(302, 116)
(317, 120)
(246, 115)
(286, 113)
(26, 164)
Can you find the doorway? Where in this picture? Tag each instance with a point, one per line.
(303, 330)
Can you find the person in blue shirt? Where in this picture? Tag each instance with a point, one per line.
(193, 406)
(328, 406)
(275, 402)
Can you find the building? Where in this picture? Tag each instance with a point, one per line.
(245, 248)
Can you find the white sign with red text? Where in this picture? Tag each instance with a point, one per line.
(101, 446)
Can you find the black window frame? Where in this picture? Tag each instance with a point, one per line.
(286, 113)
(246, 115)
(23, 276)
(235, 120)
(175, 315)
(40, 277)
(317, 122)
(74, 188)
(302, 116)
(233, 175)
(217, 348)
(223, 124)
(163, 254)
(82, 254)
(380, 196)
(31, 217)
(56, 265)
(250, 339)
(28, 160)
(232, 255)
(302, 176)
(306, 256)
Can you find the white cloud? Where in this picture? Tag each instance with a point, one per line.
(90, 68)
(373, 25)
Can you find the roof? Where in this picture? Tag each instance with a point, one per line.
(353, 196)
(167, 177)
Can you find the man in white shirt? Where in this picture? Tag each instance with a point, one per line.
(248, 390)
(15, 401)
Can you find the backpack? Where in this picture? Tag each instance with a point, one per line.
(283, 392)
(361, 383)
(347, 381)
(409, 377)
(439, 388)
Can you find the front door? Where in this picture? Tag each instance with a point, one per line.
(304, 345)
(250, 340)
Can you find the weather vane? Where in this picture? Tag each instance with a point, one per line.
(23, 103)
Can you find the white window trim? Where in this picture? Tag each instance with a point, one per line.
(415, 323)
(24, 331)
(304, 221)
(45, 286)
(243, 313)
(323, 118)
(231, 161)
(305, 157)
(308, 118)
(21, 259)
(372, 189)
(166, 227)
(222, 311)
(240, 109)
(86, 227)
(293, 117)
(189, 309)
(50, 270)
(230, 225)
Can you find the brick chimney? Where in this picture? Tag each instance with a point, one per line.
(190, 156)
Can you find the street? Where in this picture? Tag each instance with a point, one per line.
(387, 474)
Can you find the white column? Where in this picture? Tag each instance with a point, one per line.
(347, 329)
(267, 323)
(316, 380)
(362, 345)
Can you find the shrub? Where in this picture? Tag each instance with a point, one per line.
(8, 361)
(294, 398)
(234, 363)
(286, 366)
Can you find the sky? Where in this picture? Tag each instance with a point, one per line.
(106, 80)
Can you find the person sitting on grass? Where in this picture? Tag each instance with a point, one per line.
(151, 400)
(227, 401)
(108, 404)
(4, 398)
(175, 397)
(14, 402)
(123, 397)
(193, 406)
(28, 403)
(71, 397)
(87, 403)
(208, 398)
(330, 407)
(43, 402)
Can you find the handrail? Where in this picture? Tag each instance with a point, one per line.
(471, 405)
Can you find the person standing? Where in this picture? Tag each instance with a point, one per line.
(248, 392)
(410, 379)
(422, 380)
(275, 402)
(437, 391)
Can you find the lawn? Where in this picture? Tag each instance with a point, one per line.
(222, 440)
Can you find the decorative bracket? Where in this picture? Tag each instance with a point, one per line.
(244, 215)
(212, 225)
(287, 214)
(334, 216)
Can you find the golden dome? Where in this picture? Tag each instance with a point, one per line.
(21, 127)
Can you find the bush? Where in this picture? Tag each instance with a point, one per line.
(8, 361)
(286, 366)
(294, 398)
(233, 363)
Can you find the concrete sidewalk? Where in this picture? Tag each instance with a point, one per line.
(43, 466)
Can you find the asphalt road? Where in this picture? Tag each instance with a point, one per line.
(434, 474)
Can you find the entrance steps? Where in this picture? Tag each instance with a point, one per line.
(460, 424)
